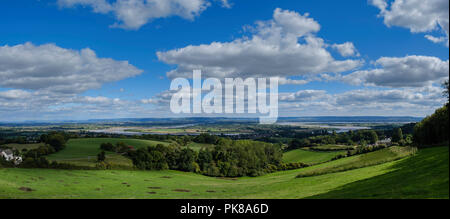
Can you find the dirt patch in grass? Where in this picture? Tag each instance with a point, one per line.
(152, 193)
(226, 178)
(154, 187)
(26, 189)
(181, 190)
(210, 191)
(166, 177)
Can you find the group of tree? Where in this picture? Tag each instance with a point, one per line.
(206, 138)
(360, 137)
(119, 147)
(13, 140)
(227, 158)
(433, 130)
(57, 140)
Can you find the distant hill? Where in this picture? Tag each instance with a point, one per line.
(207, 120)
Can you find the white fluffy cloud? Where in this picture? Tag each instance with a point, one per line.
(284, 46)
(409, 101)
(416, 15)
(133, 14)
(48, 79)
(346, 49)
(408, 71)
(52, 68)
(304, 95)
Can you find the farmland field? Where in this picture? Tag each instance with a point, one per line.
(309, 157)
(359, 161)
(332, 147)
(83, 152)
(429, 166)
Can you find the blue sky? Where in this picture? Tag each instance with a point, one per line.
(374, 30)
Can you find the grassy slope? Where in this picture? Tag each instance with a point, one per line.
(309, 157)
(48, 183)
(424, 175)
(363, 160)
(84, 151)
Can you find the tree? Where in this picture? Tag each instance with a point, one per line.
(373, 137)
(298, 143)
(107, 147)
(446, 90)
(101, 156)
(397, 135)
(57, 141)
(433, 129)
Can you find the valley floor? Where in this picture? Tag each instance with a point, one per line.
(424, 175)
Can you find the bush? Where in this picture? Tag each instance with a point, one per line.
(107, 146)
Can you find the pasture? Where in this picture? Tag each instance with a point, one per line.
(309, 157)
(404, 177)
(359, 161)
(83, 151)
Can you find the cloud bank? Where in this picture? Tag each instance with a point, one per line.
(419, 16)
(133, 14)
(284, 46)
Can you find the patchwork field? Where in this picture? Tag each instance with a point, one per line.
(423, 175)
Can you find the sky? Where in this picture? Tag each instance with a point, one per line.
(92, 59)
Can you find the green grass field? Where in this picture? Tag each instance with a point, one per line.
(309, 157)
(359, 161)
(20, 147)
(332, 147)
(83, 151)
(424, 175)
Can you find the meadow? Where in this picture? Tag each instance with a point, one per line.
(83, 151)
(423, 175)
(309, 157)
(360, 161)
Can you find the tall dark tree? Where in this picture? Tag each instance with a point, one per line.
(101, 156)
(397, 135)
(446, 89)
(434, 129)
(373, 137)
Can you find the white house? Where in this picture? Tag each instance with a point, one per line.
(8, 155)
(386, 141)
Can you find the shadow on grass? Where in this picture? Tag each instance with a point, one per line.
(422, 176)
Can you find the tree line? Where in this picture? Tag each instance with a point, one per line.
(227, 158)
(433, 130)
